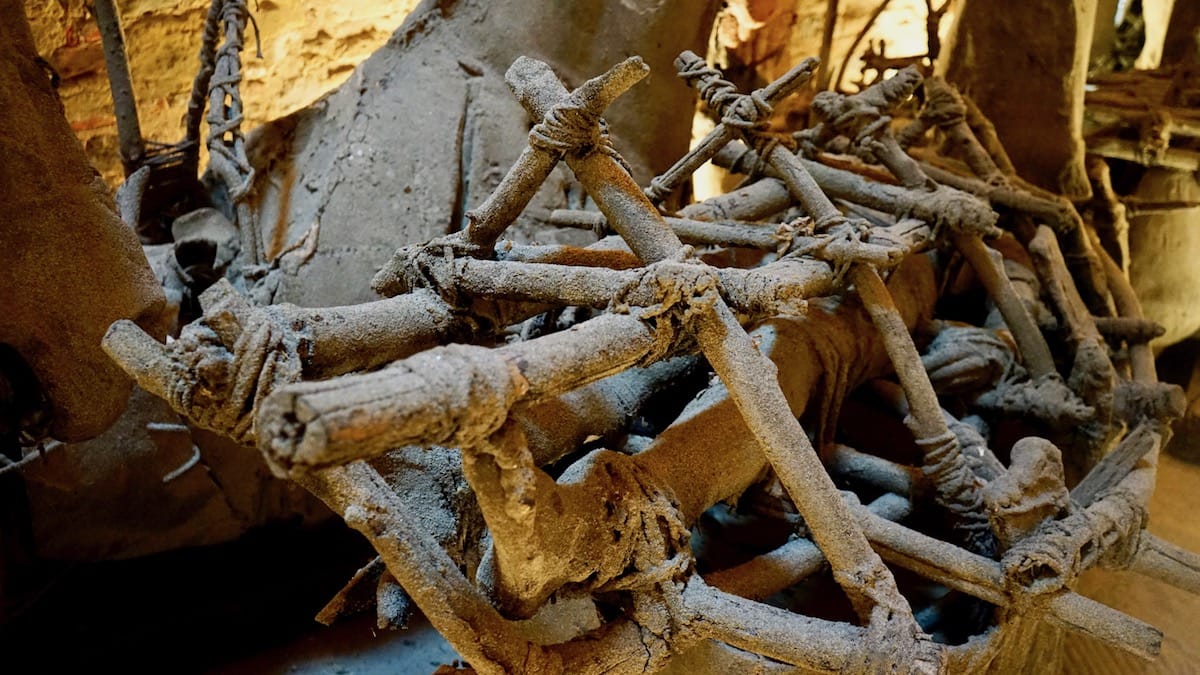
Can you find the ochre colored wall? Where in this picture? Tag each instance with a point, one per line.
(309, 47)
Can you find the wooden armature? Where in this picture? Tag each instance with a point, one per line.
(853, 270)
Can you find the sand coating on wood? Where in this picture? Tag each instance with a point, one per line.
(595, 516)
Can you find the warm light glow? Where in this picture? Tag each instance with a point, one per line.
(901, 26)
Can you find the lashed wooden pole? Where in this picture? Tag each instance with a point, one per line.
(749, 376)
(956, 489)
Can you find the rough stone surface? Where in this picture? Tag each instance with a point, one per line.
(350, 166)
(127, 487)
(68, 266)
(309, 47)
(1045, 45)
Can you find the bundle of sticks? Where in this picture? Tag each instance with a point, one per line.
(979, 402)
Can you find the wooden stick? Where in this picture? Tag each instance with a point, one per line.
(734, 357)
(129, 130)
(454, 395)
(767, 574)
(505, 203)
(1162, 560)
(984, 579)
(452, 604)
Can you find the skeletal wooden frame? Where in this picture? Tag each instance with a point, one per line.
(329, 394)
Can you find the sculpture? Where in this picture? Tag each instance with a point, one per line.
(481, 346)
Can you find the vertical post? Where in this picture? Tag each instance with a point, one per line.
(824, 76)
(1045, 48)
(129, 130)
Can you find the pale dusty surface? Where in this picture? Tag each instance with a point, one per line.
(355, 648)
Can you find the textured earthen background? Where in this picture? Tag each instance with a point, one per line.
(310, 47)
